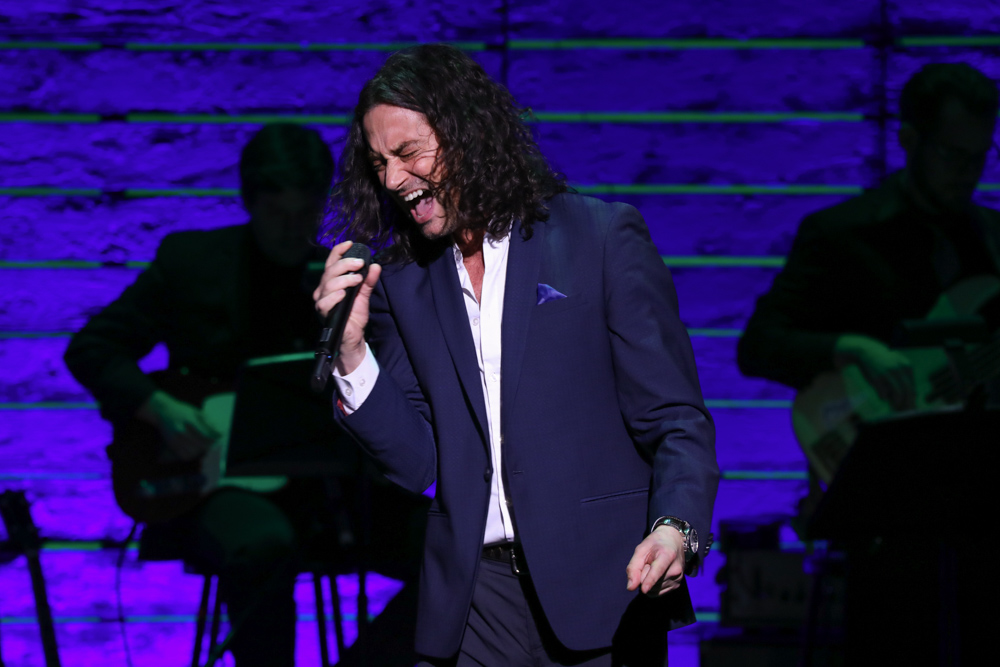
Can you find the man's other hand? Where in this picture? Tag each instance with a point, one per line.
(657, 565)
(888, 372)
(186, 433)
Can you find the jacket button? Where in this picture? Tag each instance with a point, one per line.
(488, 475)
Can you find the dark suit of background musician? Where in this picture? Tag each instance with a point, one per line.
(601, 418)
(196, 298)
(855, 271)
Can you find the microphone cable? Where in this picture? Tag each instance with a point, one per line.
(118, 591)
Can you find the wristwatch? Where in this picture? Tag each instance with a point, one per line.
(686, 530)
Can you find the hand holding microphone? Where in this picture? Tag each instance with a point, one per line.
(342, 299)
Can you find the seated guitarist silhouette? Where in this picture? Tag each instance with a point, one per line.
(217, 298)
(913, 248)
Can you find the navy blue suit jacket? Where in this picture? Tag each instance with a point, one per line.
(603, 424)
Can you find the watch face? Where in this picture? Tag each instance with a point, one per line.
(693, 541)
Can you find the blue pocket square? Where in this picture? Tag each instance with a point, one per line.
(548, 293)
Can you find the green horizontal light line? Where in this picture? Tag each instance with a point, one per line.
(31, 620)
(63, 264)
(248, 119)
(711, 403)
(73, 546)
(50, 192)
(152, 618)
(58, 46)
(715, 333)
(636, 117)
(681, 44)
(694, 117)
(765, 403)
(50, 405)
(227, 46)
(42, 117)
(30, 335)
(69, 264)
(288, 46)
(683, 261)
(682, 189)
(715, 261)
(949, 40)
(70, 546)
(24, 335)
(145, 193)
(14, 476)
(596, 188)
(279, 358)
(706, 616)
(754, 475)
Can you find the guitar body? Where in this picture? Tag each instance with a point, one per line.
(147, 485)
(827, 414)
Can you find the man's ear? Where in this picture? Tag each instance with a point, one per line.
(908, 138)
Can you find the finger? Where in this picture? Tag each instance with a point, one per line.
(881, 389)
(635, 567)
(340, 283)
(327, 303)
(654, 573)
(669, 581)
(336, 252)
(374, 271)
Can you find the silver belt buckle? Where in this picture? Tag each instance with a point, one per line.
(513, 563)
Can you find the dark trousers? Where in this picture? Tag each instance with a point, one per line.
(253, 541)
(507, 628)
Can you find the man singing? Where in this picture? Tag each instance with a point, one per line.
(521, 348)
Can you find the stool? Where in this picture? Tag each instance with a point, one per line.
(211, 581)
(159, 545)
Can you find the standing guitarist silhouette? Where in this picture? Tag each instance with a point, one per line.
(915, 247)
(217, 298)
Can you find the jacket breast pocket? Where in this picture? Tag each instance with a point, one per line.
(550, 308)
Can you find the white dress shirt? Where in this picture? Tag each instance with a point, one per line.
(485, 323)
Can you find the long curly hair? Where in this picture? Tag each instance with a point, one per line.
(487, 155)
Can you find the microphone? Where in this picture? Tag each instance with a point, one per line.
(328, 347)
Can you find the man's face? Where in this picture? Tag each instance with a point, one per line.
(404, 154)
(284, 224)
(947, 164)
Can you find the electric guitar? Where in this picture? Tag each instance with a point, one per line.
(150, 484)
(827, 414)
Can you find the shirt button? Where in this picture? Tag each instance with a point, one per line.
(362, 383)
(475, 321)
(494, 377)
(348, 391)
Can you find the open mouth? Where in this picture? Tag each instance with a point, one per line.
(420, 203)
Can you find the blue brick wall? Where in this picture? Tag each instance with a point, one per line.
(798, 122)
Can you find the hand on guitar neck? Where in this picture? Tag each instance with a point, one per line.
(889, 372)
(186, 433)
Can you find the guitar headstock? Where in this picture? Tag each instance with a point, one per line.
(22, 534)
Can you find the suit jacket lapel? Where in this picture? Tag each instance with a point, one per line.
(450, 305)
(519, 301)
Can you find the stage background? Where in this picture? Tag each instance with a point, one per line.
(723, 121)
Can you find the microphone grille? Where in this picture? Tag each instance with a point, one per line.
(360, 251)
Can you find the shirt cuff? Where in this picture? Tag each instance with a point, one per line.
(355, 386)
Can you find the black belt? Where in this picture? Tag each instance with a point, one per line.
(507, 552)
